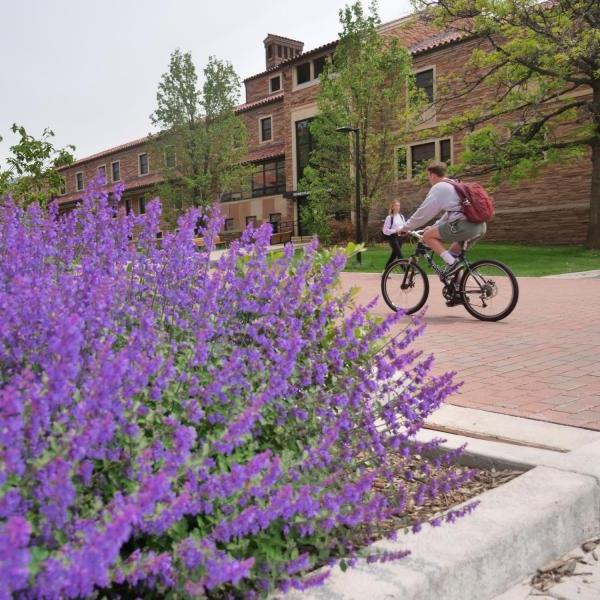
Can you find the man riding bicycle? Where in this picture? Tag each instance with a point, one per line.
(452, 227)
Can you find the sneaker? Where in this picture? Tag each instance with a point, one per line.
(451, 269)
(456, 301)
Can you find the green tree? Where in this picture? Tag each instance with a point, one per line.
(31, 168)
(368, 85)
(541, 61)
(202, 141)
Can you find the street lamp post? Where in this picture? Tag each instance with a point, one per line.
(357, 207)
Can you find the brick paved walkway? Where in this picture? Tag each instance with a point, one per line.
(542, 362)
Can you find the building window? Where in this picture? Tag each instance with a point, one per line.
(269, 178)
(143, 163)
(102, 171)
(170, 158)
(229, 224)
(275, 220)
(115, 168)
(424, 81)
(304, 146)
(63, 186)
(446, 151)
(114, 209)
(319, 66)
(275, 84)
(413, 160)
(127, 206)
(303, 73)
(142, 205)
(265, 129)
(250, 219)
(79, 181)
(421, 155)
(231, 196)
(401, 164)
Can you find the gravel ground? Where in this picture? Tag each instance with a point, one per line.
(574, 576)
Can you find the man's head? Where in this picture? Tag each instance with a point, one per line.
(436, 171)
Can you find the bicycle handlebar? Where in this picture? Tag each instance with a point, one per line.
(417, 234)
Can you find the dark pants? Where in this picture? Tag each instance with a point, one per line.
(395, 242)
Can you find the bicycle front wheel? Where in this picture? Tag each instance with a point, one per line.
(404, 286)
(489, 290)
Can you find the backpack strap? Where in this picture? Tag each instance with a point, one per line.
(459, 186)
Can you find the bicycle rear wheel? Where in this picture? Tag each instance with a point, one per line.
(489, 290)
(404, 286)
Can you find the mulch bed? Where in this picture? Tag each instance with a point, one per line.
(484, 479)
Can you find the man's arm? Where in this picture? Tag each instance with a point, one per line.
(430, 207)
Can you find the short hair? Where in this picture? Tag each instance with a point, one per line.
(438, 168)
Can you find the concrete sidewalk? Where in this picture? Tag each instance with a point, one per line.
(542, 362)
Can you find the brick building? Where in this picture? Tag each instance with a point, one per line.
(281, 100)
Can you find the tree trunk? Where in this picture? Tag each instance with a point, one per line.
(593, 235)
(364, 223)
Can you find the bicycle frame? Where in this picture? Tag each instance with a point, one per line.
(422, 250)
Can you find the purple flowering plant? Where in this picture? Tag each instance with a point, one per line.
(173, 427)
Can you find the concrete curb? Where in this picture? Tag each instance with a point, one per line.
(518, 526)
(593, 274)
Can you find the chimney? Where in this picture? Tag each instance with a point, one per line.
(279, 49)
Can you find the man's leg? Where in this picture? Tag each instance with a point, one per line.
(432, 238)
(456, 248)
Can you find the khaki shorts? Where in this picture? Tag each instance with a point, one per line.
(460, 230)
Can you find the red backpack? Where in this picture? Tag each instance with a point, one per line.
(477, 204)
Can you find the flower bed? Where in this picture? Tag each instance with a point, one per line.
(172, 427)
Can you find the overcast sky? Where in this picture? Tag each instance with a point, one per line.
(89, 70)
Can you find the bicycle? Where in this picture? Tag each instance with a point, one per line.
(487, 289)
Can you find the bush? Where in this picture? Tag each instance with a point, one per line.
(173, 428)
(341, 232)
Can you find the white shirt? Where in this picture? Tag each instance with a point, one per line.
(393, 224)
(441, 197)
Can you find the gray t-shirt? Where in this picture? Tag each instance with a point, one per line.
(442, 197)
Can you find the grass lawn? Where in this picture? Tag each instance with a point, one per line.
(526, 261)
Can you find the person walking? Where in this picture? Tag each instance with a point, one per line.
(392, 225)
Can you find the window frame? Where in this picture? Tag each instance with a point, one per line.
(265, 190)
(139, 156)
(252, 218)
(112, 170)
(323, 57)
(142, 204)
(278, 221)
(166, 155)
(77, 188)
(260, 129)
(310, 74)
(311, 146)
(229, 221)
(62, 188)
(433, 79)
(429, 116)
(271, 79)
(102, 166)
(408, 148)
